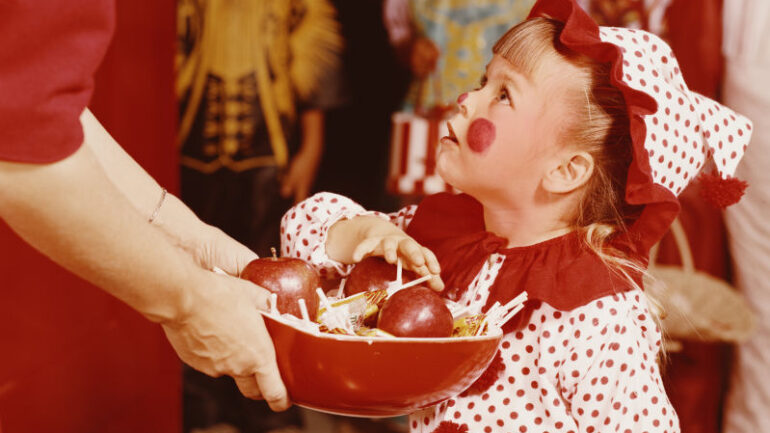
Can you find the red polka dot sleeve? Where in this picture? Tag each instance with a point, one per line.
(304, 229)
(610, 376)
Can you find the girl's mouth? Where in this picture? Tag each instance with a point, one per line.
(451, 137)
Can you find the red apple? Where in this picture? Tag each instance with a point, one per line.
(291, 279)
(373, 273)
(416, 312)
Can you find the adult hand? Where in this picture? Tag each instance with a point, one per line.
(215, 249)
(222, 333)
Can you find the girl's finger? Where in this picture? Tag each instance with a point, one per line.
(431, 261)
(364, 248)
(436, 283)
(412, 251)
(390, 249)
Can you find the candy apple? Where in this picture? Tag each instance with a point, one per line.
(416, 312)
(373, 273)
(291, 279)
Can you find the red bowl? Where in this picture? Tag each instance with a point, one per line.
(375, 377)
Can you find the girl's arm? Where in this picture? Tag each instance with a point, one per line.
(610, 377)
(333, 232)
(207, 245)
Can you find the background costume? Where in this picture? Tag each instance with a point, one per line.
(464, 32)
(246, 72)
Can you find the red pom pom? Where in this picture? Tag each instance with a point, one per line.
(450, 427)
(489, 377)
(721, 192)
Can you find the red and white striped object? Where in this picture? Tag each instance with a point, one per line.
(413, 146)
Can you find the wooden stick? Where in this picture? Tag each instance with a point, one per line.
(303, 309)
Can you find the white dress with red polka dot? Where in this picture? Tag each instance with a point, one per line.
(592, 369)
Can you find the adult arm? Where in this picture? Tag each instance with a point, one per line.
(72, 212)
(209, 246)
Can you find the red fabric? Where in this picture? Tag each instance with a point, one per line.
(561, 271)
(694, 32)
(696, 378)
(488, 378)
(719, 192)
(581, 34)
(74, 359)
(49, 52)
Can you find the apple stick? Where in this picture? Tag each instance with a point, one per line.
(341, 289)
(274, 304)
(399, 273)
(415, 282)
(510, 314)
(303, 309)
(340, 321)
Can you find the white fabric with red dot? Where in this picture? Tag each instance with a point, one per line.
(687, 128)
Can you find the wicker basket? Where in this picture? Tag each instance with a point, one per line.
(697, 306)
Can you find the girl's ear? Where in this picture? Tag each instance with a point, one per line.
(571, 173)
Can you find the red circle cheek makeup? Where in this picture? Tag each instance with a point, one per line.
(481, 134)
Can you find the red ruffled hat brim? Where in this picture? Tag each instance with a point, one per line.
(661, 206)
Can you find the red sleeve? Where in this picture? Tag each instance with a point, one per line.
(49, 51)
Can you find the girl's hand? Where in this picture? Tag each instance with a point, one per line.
(366, 236)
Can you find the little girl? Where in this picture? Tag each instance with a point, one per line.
(570, 154)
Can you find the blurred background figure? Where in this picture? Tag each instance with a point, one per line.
(444, 42)
(253, 81)
(746, 89)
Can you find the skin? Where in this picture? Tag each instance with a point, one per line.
(527, 177)
(304, 165)
(481, 135)
(71, 210)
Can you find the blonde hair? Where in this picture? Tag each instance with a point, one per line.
(599, 126)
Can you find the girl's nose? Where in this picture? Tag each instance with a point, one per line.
(463, 108)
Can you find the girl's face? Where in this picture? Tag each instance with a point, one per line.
(505, 136)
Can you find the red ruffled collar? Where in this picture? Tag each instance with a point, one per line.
(562, 271)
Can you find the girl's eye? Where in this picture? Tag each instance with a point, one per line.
(503, 96)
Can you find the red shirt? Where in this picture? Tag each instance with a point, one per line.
(49, 51)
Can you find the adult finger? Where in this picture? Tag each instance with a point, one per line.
(248, 387)
(271, 386)
(258, 295)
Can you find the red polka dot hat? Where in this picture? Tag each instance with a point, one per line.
(675, 132)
